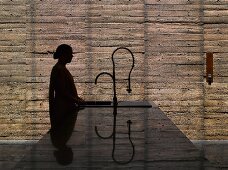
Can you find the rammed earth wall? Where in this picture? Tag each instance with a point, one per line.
(169, 39)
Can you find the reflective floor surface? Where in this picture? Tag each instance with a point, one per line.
(159, 145)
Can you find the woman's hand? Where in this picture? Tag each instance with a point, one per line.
(79, 100)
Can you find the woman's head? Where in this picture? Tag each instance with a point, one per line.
(64, 53)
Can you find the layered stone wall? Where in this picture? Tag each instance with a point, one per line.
(169, 40)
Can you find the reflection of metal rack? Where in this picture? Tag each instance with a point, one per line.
(115, 103)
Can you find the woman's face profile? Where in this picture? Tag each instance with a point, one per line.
(64, 53)
(68, 56)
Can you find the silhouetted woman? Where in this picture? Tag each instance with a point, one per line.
(63, 98)
(62, 92)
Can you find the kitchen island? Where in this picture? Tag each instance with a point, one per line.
(158, 143)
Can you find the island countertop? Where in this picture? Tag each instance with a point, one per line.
(158, 142)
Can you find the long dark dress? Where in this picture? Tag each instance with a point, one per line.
(62, 108)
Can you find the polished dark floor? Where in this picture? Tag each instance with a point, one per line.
(159, 145)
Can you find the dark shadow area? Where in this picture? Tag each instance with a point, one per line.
(61, 134)
(159, 144)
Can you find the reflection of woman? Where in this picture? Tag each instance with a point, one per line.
(60, 135)
(62, 91)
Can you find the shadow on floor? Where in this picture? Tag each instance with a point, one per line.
(159, 144)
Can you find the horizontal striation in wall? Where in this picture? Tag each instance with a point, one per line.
(178, 35)
(215, 40)
(169, 40)
(12, 67)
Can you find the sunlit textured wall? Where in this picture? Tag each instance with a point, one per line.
(168, 38)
